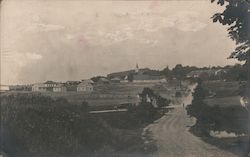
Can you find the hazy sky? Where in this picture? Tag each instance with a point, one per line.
(71, 40)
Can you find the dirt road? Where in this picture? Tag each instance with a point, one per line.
(174, 140)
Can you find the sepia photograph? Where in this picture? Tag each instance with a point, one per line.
(124, 78)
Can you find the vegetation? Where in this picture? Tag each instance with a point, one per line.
(236, 15)
(236, 72)
(148, 109)
(34, 125)
(216, 118)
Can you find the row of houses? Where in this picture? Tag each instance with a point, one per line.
(78, 86)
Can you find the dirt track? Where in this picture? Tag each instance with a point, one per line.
(174, 140)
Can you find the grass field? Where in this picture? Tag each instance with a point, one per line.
(223, 94)
(224, 102)
(114, 94)
(223, 89)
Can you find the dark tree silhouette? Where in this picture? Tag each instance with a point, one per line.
(237, 17)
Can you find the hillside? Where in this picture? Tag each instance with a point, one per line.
(122, 74)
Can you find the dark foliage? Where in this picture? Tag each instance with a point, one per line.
(37, 126)
(237, 16)
(230, 119)
(148, 109)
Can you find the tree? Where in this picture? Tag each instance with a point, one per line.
(167, 72)
(237, 17)
(131, 77)
(178, 71)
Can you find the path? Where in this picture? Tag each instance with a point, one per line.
(174, 140)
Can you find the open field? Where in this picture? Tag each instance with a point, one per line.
(222, 94)
(111, 94)
(222, 89)
(224, 102)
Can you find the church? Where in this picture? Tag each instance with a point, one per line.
(140, 77)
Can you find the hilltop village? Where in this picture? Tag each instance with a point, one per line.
(138, 75)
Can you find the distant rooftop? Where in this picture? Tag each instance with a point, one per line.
(49, 82)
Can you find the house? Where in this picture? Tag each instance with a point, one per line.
(39, 87)
(115, 80)
(60, 88)
(210, 73)
(50, 85)
(43, 87)
(20, 87)
(71, 86)
(4, 88)
(69, 83)
(143, 78)
(85, 86)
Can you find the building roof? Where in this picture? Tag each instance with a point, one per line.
(85, 84)
(148, 77)
(88, 81)
(50, 82)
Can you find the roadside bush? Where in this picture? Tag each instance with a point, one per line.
(149, 108)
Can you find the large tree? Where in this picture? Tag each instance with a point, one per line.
(237, 16)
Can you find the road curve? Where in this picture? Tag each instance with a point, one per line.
(174, 140)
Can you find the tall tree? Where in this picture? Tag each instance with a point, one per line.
(237, 16)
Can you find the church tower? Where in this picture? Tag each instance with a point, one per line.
(136, 68)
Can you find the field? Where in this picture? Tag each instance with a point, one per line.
(224, 102)
(222, 94)
(110, 95)
(222, 89)
(114, 94)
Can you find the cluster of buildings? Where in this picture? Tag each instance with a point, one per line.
(77, 86)
(138, 76)
(210, 73)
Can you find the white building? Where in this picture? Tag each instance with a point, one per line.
(4, 88)
(39, 87)
(85, 86)
(59, 88)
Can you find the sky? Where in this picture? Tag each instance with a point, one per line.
(64, 40)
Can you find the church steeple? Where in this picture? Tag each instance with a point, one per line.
(137, 68)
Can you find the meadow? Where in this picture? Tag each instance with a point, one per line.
(115, 94)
